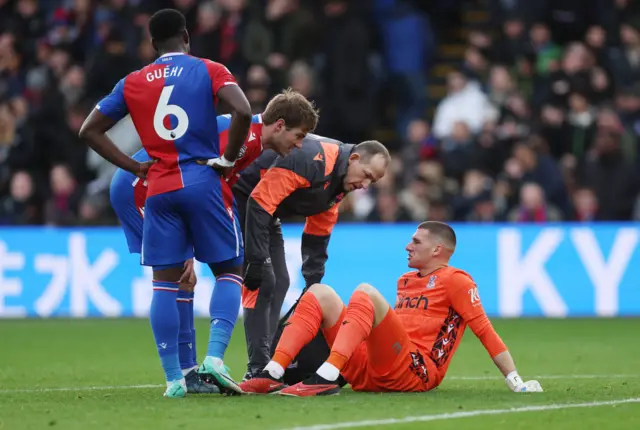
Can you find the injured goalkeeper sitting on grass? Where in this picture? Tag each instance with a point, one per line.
(376, 348)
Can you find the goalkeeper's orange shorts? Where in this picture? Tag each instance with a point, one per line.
(388, 360)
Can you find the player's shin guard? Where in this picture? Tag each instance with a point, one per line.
(355, 328)
(194, 352)
(301, 328)
(165, 323)
(223, 309)
(185, 341)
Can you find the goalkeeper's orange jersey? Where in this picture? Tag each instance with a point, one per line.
(435, 310)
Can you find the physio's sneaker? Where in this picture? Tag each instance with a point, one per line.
(195, 384)
(263, 383)
(250, 374)
(312, 386)
(219, 375)
(177, 389)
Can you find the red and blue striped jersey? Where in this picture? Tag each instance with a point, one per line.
(172, 105)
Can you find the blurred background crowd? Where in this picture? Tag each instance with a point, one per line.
(494, 110)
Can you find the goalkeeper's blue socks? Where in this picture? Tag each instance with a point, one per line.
(194, 352)
(185, 336)
(165, 323)
(223, 309)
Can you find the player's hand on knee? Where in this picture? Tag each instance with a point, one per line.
(220, 165)
(189, 275)
(517, 385)
(143, 168)
(258, 273)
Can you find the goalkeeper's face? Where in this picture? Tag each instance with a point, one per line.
(422, 249)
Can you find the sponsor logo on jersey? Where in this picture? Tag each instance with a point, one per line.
(407, 302)
(243, 150)
(474, 296)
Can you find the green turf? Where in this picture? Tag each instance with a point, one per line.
(99, 353)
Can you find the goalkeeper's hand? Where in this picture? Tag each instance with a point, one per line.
(517, 385)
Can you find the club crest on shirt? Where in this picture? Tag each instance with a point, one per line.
(432, 282)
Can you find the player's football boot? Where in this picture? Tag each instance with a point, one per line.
(219, 375)
(195, 384)
(176, 390)
(312, 386)
(262, 383)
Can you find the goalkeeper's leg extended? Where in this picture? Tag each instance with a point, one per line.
(319, 307)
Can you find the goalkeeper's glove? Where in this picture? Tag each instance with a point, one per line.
(515, 384)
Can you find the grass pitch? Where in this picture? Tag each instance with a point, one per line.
(104, 374)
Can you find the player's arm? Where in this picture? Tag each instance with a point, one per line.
(465, 300)
(225, 88)
(278, 183)
(105, 115)
(315, 241)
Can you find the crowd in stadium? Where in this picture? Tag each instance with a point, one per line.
(540, 122)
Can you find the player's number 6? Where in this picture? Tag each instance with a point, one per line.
(162, 110)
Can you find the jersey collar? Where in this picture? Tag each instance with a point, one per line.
(171, 54)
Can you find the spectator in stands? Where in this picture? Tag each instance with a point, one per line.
(301, 79)
(409, 45)
(547, 53)
(544, 171)
(415, 199)
(533, 207)
(258, 83)
(110, 64)
(585, 205)
(345, 76)
(625, 59)
(459, 152)
(465, 102)
(20, 207)
(388, 210)
(514, 42)
(62, 208)
(581, 119)
(554, 74)
(206, 40)
(628, 109)
(476, 188)
(614, 179)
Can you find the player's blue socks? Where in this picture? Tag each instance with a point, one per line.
(223, 308)
(193, 328)
(165, 323)
(185, 337)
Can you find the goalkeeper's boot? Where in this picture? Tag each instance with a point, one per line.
(195, 384)
(216, 372)
(312, 386)
(262, 383)
(176, 389)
